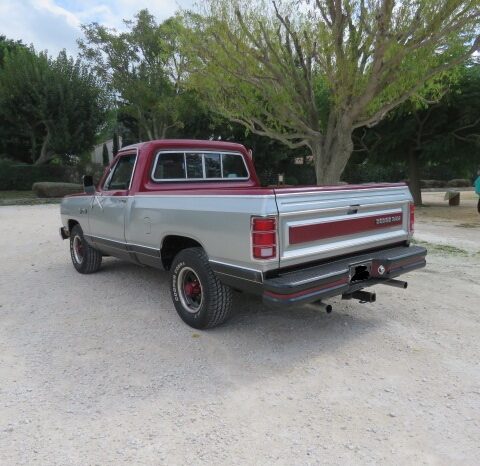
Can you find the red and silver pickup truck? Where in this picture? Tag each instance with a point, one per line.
(196, 209)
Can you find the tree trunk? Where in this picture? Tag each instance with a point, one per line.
(33, 142)
(45, 154)
(331, 155)
(414, 176)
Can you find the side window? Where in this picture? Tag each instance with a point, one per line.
(233, 166)
(170, 167)
(122, 173)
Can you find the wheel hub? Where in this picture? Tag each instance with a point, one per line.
(190, 290)
(78, 250)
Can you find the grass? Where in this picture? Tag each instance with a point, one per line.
(23, 198)
(443, 249)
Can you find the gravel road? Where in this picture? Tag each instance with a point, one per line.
(99, 370)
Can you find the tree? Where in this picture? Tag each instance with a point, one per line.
(8, 46)
(115, 145)
(9, 139)
(105, 157)
(309, 73)
(443, 137)
(56, 104)
(143, 70)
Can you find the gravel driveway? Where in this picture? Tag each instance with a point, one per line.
(100, 370)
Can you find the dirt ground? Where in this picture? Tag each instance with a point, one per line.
(99, 370)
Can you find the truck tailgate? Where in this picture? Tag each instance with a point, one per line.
(322, 222)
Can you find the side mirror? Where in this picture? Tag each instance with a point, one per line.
(88, 185)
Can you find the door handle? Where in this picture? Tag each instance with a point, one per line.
(123, 201)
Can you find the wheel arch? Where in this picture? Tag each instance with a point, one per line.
(71, 223)
(172, 244)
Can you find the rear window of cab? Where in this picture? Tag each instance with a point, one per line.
(198, 166)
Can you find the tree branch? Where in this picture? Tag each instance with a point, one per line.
(380, 114)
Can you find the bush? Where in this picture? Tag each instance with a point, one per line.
(20, 177)
(370, 172)
(291, 181)
(459, 183)
(432, 183)
(48, 189)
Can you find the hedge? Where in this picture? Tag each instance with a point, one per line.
(21, 177)
(49, 189)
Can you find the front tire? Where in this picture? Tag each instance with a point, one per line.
(201, 300)
(85, 259)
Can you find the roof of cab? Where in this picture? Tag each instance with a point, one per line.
(186, 143)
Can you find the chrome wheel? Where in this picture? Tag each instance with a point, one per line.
(78, 249)
(189, 290)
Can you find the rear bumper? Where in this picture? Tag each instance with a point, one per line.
(335, 278)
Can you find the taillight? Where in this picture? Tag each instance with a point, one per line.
(411, 226)
(264, 237)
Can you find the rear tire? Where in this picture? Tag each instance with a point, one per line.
(201, 300)
(85, 259)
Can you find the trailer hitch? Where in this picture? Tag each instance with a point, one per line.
(362, 296)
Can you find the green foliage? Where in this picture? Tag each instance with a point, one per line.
(369, 171)
(8, 46)
(443, 138)
(53, 106)
(308, 73)
(143, 70)
(21, 177)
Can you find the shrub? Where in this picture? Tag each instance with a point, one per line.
(459, 183)
(370, 172)
(48, 189)
(20, 177)
(432, 183)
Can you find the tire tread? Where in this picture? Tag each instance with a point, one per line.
(92, 259)
(220, 296)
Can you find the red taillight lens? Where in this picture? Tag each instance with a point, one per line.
(412, 217)
(264, 237)
(263, 224)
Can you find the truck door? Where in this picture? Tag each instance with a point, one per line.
(107, 214)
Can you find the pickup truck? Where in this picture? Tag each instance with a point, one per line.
(196, 209)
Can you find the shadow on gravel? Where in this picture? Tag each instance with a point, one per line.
(304, 323)
(94, 335)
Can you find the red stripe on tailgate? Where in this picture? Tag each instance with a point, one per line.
(318, 231)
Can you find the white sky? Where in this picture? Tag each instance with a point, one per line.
(55, 24)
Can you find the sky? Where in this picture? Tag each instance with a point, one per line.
(54, 25)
